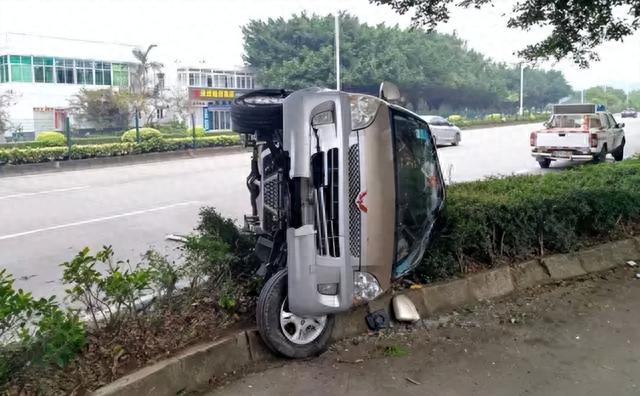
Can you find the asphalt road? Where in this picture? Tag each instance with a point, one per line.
(47, 218)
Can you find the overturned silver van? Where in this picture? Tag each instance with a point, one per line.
(345, 190)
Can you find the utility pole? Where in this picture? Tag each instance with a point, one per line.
(521, 89)
(582, 96)
(337, 38)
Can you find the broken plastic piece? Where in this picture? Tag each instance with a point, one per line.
(404, 310)
(631, 263)
(378, 320)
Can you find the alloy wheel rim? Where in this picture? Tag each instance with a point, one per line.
(300, 330)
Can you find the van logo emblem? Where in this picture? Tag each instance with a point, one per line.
(360, 201)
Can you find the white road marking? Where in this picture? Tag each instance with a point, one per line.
(97, 220)
(57, 190)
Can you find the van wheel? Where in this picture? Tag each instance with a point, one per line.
(259, 110)
(544, 163)
(456, 140)
(618, 154)
(284, 332)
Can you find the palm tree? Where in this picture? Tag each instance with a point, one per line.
(141, 70)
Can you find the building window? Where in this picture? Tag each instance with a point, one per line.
(103, 73)
(84, 72)
(160, 113)
(21, 69)
(4, 69)
(209, 81)
(160, 79)
(64, 71)
(43, 70)
(120, 75)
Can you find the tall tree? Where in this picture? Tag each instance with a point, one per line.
(577, 26)
(435, 71)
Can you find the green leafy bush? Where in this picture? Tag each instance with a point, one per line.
(497, 220)
(32, 155)
(454, 118)
(145, 135)
(18, 156)
(34, 331)
(51, 139)
(109, 294)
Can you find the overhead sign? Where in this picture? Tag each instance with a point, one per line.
(209, 93)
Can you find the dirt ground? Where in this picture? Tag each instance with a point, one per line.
(570, 338)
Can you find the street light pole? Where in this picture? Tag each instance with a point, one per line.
(521, 89)
(337, 38)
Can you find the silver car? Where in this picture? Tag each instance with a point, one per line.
(443, 131)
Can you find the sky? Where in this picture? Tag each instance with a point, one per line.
(190, 32)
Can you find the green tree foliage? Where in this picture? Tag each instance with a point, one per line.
(615, 99)
(105, 108)
(434, 71)
(634, 99)
(576, 27)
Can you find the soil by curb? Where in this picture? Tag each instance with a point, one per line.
(205, 364)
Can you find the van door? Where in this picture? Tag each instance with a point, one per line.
(419, 189)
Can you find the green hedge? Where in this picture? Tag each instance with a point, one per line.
(515, 218)
(51, 139)
(29, 155)
(145, 134)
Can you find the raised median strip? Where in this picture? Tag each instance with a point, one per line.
(200, 366)
(103, 162)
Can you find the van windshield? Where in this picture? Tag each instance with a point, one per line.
(419, 190)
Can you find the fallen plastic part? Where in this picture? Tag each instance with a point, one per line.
(638, 275)
(176, 238)
(631, 263)
(404, 310)
(378, 320)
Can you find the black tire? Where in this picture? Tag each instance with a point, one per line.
(272, 296)
(618, 154)
(601, 156)
(259, 110)
(456, 140)
(544, 163)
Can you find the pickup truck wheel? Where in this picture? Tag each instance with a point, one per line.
(618, 154)
(284, 332)
(544, 163)
(601, 156)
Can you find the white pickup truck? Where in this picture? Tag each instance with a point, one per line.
(578, 132)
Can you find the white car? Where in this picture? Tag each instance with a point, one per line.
(443, 131)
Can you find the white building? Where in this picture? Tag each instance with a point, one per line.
(45, 72)
(211, 92)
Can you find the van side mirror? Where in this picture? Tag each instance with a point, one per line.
(389, 92)
(620, 125)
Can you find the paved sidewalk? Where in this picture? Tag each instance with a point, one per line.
(575, 338)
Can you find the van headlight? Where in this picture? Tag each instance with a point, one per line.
(363, 110)
(365, 287)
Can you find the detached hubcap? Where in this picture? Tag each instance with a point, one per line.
(300, 330)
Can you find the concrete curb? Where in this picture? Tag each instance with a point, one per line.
(104, 162)
(198, 366)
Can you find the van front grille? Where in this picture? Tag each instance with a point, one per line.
(354, 190)
(328, 208)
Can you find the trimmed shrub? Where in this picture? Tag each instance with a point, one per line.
(51, 139)
(494, 117)
(200, 132)
(500, 220)
(454, 118)
(101, 150)
(145, 134)
(32, 155)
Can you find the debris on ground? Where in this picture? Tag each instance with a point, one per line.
(631, 263)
